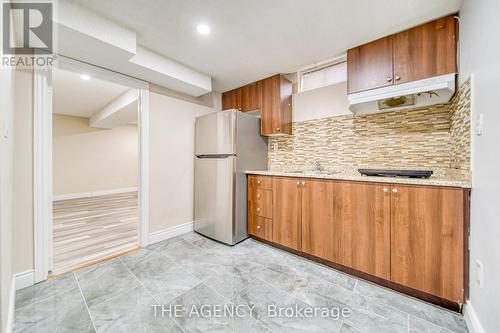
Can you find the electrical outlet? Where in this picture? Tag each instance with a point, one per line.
(479, 273)
(479, 124)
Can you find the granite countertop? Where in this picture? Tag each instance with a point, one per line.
(432, 181)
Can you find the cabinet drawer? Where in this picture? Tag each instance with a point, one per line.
(261, 202)
(260, 227)
(263, 182)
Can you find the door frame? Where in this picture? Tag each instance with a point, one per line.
(42, 151)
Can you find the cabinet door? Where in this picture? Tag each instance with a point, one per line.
(276, 109)
(231, 100)
(365, 228)
(320, 221)
(427, 250)
(287, 212)
(251, 96)
(425, 51)
(369, 66)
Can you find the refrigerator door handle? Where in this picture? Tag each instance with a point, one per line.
(215, 155)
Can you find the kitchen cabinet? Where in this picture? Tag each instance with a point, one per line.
(425, 51)
(276, 108)
(320, 220)
(287, 212)
(232, 100)
(273, 96)
(412, 236)
(422, 52)
(427, 239)
(365, 227)
(251, 96)
(369, 66)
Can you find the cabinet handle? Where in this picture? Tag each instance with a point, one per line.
(303, 183)
(398, 77)
(258, 209)
(298, 183)
(258, 227)
(278, 129)
(394, 190)
(258, 182)
(258, 195)
(386, 189)
(389, 79)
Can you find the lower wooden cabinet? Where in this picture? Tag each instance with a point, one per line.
(287, 212)
(406, 234)
(427, 243)
(365, 227)
(260, 227)
(320, 219)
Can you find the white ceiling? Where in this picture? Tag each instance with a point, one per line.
(76, 97)
(251, 40)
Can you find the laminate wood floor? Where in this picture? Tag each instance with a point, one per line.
(87, 229)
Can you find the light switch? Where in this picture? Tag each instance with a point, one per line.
(479, 124)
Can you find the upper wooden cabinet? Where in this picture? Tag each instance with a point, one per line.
(369, 66)
(424, 51)
(232, 100)
(365, 228)
(427, 239)
(251, 96)
(273, 96)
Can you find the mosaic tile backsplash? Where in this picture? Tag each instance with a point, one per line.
(435, 138)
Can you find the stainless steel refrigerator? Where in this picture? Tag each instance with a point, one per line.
(226, 144)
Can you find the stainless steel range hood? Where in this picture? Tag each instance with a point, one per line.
(431, 91)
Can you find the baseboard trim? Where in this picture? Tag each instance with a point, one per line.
(472, 320)
(12, 306)
(162, 235)
(92, 194)
(25, 279)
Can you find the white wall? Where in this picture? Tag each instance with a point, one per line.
(171, 160)
(6, 190)
(320, 103)
(23, 174)
(87, 159)
(480, 56)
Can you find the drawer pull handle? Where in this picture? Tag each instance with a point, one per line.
(258, 195)
(394, 190)
(258, 227)
(258, 182)
(258, 209)
(298, 183)
(386, 189)
(303, 183)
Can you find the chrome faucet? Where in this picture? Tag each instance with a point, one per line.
(317, 166)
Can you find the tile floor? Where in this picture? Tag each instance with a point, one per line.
(118, 295)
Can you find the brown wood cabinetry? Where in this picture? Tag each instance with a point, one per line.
(273, 96)
(427, 243)
(408, 235)
(320, 218)
(424, 51)
(232, 100)
(251, 96)
(369, 66)
(365, 228)
(287, 212)
(276, 109)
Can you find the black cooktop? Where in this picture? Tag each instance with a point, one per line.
(396, 173)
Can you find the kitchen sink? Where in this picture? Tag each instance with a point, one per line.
(313, 172)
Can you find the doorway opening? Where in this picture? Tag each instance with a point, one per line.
(91, 166)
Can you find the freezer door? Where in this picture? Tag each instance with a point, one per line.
(214, 197)
(215, 133)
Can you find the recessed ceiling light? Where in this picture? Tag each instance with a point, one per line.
(85, 77)
(203, 29)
